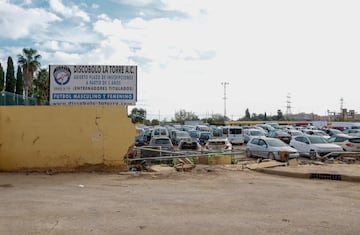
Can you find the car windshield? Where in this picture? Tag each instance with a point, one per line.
(296, 133)
(162, 141)
(317, 140)
(336, 131)
(183, 134)
(320, 133)
(205, 134)
(281, 133)
(256, 133)
(355, 140)
(276, 143)
(193, 133)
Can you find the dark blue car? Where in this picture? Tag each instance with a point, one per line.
(140, 139)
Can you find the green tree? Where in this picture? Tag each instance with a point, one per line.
(29, 61)
(215, 119)
(154, 122)
(10, 76)
(41, 86)
(279, 116)
(181, 116)
(2, 75)
(138, 115)
(247, 114)
(19, 87)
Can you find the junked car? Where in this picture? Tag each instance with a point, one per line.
(189, 144)
(204, 136)
(347, 142)
(158, 146)
(281, 135)
(253, 132)
(177, 136)
(313, 146)
(316, 132)
(353, 132)
(268, 147)
(218, 144)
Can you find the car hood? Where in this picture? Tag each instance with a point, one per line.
(286, 149)
(331, 147)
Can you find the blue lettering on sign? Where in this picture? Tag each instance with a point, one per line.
(91, 96)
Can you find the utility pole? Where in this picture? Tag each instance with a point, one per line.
(224, 84)
(288, 106)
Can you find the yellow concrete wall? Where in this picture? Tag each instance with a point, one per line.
(51, 137)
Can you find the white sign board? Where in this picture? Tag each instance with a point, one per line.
(93, 84)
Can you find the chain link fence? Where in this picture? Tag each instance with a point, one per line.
(8, 98)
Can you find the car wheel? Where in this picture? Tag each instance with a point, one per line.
(312, 154)
(271, 156)
(248, 153)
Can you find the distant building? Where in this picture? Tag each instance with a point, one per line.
(304, 117)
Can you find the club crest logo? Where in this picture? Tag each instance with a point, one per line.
(62, 75)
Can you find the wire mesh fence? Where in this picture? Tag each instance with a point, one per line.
(8, 98)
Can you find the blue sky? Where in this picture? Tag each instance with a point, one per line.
(265, 50)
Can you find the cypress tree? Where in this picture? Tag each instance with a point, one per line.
(1, 78)
(10, 76)
(19, 81)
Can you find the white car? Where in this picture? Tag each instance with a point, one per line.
(218, 144)
(353, 132)
(267, 147)
(316, 132)
(250, 133)
(347, 142)
(313, 146)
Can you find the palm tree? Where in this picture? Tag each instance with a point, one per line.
(29, 60)
(41, 89)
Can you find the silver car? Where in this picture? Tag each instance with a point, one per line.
(267, 147)
(253, 132)
(313, 146)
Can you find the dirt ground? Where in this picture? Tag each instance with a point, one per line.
(208, 200)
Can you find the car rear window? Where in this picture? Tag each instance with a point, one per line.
(235, 131)
(355, 140)
(217, 143)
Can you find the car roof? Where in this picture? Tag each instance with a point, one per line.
(160, 137)
(218, 138)
(265, 138)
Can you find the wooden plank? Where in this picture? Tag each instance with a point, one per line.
(265, 165)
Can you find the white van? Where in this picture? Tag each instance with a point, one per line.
(160, 131)
(234, 134)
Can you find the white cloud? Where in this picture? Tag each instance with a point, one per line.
(139, 2)
(54, 45)
(17, 22)
(95, 6)
(68, 11)
(264, 49)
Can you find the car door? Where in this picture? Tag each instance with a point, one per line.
(301, 143)
(262, 148)
(254, 147)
